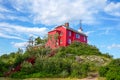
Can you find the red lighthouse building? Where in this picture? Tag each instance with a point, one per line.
(64, 35)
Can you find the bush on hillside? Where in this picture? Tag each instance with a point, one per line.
(103, 71)
(78, 48)
(111, 71)
(79, 70)
(63, 64)
(52, 67)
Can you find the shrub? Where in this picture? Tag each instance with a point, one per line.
(26, 67)
(78, 48)
(79, 70)
(113, 75)
(64, 74)
(103, 71)
(111, 71)
(18, 75)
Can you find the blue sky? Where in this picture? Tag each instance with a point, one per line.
(20, 19)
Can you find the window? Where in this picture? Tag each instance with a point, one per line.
(61, 41)
(84, 38)
(61, 33)
(77, 36)
(69, 33)
(69, 41)
(57, 44)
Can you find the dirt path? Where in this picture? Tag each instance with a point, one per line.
(89, 79)
(3, 78)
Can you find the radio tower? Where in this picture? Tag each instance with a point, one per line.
(80, 29)
(81, 25)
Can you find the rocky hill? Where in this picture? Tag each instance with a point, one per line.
(78, 60)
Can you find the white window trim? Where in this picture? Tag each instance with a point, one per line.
(84, 38)
(77, 36)
(69, 41)
(69, 33)
(61, 41)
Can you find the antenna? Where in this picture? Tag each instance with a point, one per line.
(81, 25)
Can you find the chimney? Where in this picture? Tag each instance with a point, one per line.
(66, 25)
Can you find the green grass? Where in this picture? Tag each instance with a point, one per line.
(101, 78)
(50, 79)
(2, 78)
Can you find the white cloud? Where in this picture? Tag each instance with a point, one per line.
(1, 1)
(10, 37)
(20, 32)
(20, 44)
(89, 32)
(21, 5)
(11, 17)
(115, 46)
(3, 9)
(113, 9)
(51, 12)
(2, 16)
(111, 19)
(9, 14)
(106, 30)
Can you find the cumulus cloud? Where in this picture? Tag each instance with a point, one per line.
(21, 5)
(89, 32)
(19, 44)
(111, 19)
(9, 36)
(3, 9)
(106, 30)
(20, 32)
(11, 17)
(113, 9)
(115, 46)
(9, 14)
(51, 12)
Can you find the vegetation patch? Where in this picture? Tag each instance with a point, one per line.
(78, 60)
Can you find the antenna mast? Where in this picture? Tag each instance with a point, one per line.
(81, 25)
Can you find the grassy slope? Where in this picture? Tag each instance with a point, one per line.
(73, 53)
(52, 79)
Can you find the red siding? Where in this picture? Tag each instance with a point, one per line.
(65, 37)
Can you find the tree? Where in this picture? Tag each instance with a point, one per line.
(38, 40)
(20, 51)
(31, 41)
(4, 56)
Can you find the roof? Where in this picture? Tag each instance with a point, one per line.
(52, 30)
(55, 28)
(69, 29)
(76, 31)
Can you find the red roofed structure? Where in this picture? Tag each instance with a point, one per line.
(64, 35)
